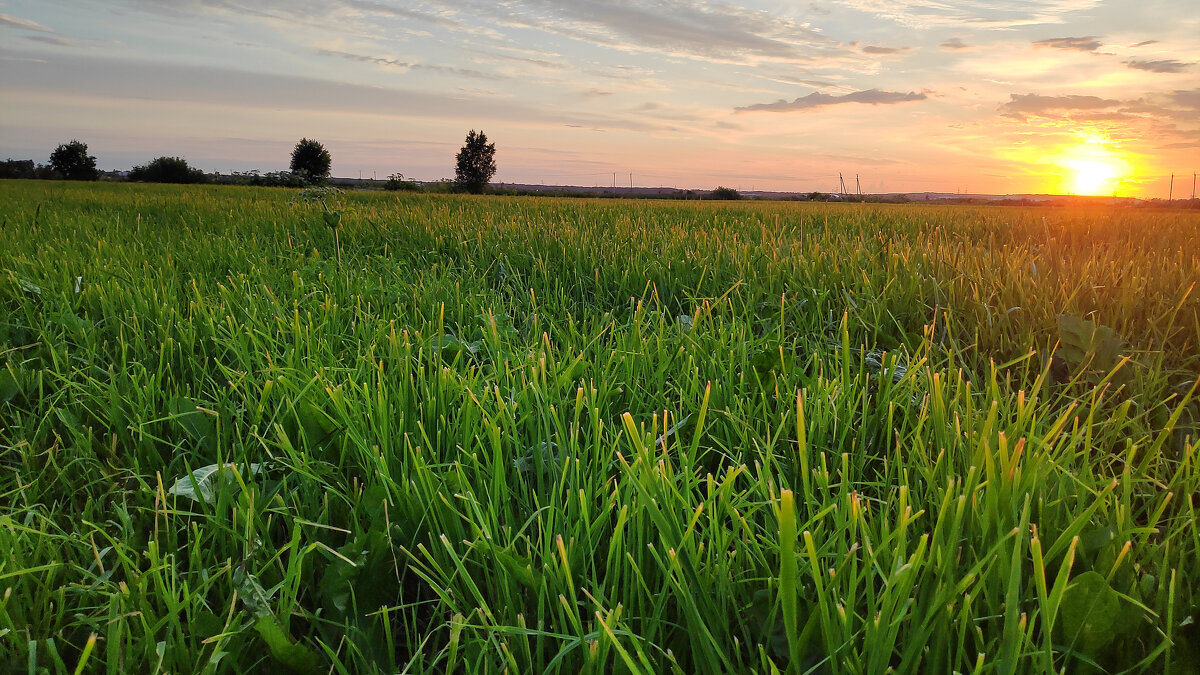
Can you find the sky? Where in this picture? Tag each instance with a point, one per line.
(978, 96)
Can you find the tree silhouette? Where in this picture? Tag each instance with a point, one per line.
(167, 170)
(475, 164)
(71, 161)
(311, 161)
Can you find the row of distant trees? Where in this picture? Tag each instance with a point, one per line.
(475, 164)
(69, 161)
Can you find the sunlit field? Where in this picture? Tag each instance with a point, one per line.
(246, 432)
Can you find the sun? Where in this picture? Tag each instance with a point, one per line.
(1091, 177)
(1092, 167)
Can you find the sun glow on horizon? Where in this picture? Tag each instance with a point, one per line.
(1093, 168)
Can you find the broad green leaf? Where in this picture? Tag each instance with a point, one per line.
(767, 624)
(520, 567)
(504, 324)
(365, 583)
(572, 371)
(29, 286)
(256, 598)
(208, 481)
(768, 360)
(543, 458)
(294, 656)
(317, 424)
(200, 426)
(12, 383)
(1081, 340)
(450, 347)
(375, 502)
(1089, 609)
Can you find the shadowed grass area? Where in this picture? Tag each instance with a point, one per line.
(593, 436)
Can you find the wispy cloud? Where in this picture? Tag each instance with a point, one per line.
(1163, 66)
(23, 24)
(981, 13)
(50, 40)
(954, 44)
(819, 100)
(788, 79)
(369, 6)
(1087, 43)
(523, 60)
(1020, 105)
(396, 63)
(1186, 98)
(680, 27)
(875, 49)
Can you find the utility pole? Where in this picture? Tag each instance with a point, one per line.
(857, 185)
(631, 181)
(1171, 190)
(842, 183)
(1193, 186)
(614, 180)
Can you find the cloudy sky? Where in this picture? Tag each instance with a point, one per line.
(1000, 96)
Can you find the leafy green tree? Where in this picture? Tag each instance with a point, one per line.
(72, 161)
(311, 161)
(475, 164)
(725, 193)
(167, 170)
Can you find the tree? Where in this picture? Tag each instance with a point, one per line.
(725, 193)
(475, 164)
(71, 161)
(310, 161)
(167, 170)
(17, 168)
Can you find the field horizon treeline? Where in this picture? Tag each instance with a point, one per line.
(474, 169)
(261, 429)
(310, 166)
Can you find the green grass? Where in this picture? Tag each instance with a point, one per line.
(538, 436)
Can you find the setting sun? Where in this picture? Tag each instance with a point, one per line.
(1092, 168)
(1091, 177)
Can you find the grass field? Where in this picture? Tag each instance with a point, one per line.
(461, 434)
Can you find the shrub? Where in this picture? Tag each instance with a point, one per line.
(259, 179)
(724, 193)
(396, 182)
(167, 170)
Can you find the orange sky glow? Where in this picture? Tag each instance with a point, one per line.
(979, 96)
